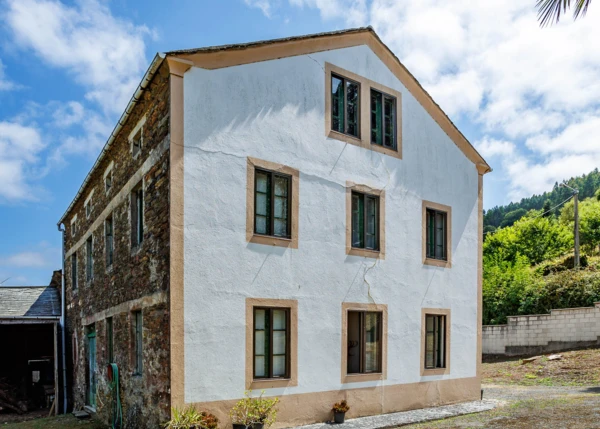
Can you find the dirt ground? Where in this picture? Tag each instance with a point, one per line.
(531, 407)
(542, 394)
(576, 368)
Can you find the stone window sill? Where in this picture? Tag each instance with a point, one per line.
(437, 262)
(269, 240)
(360, 378)
(367, 253)
(271, 383)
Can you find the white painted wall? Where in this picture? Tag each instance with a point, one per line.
(274, 110)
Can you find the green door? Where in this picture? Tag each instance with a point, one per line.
(92, 368)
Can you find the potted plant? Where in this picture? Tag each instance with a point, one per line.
(254, 413)
(339, 411)
(189, 418)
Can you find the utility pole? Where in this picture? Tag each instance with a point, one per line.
(576, 217)
(576, 222)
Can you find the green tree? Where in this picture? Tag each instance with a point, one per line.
(547, 209)
(549, 11)
(535, 237)
(589, 224)
(511, 217)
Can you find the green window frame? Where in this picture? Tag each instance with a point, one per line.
(435, 341)
(345, 105)
(271, 343)
(365, 342)
(436, 233)
(365, 221)
(272, 203)
(383, 119)
(109, 241)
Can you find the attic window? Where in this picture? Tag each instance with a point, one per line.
(108, 178)
(136, 138)
(74, 226)
(88, 204)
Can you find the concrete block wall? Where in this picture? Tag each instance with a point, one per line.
(540, 333)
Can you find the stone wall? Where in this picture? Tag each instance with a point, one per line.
(138, 279)
(560, 330)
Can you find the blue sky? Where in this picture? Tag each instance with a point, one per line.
(526, 97)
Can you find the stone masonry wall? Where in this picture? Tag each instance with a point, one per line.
(138, 279)
(560, 330)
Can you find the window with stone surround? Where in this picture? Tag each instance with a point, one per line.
(365, 221)
(383, 119)
(137, 216)
(435, 341)
(136, 137)
(109, 241)
(108, 178)
(89, 253)
(437, 234)
(272, 198)
(74, 270)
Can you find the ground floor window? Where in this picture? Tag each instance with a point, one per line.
(364, 342)
(271, 342)
(435, 341)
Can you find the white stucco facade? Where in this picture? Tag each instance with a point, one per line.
(275, 111)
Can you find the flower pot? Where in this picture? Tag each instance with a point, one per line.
(240, 426)
(258, 426)
(339, 417)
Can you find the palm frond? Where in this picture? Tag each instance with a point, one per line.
(550, 11)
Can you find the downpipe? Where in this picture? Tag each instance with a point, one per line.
(62, 322)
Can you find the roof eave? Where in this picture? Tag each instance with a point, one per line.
(150, 72)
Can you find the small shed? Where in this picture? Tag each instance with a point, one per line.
(29, 321)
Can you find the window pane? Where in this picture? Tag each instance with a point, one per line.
(352, 105)
(280, 228)
(281, 186)
(357, 221)
(261, 225)
(259, 319)
(259, 343)
(280, 208)
(261, 204)
(389, 122)
(429, 323)
(371, 233)
(260, 369)
(439, 235)
(430, 235)
(279, 319)
(279, 342)
(261, 182)
(337, 104)
(372, 342)
(279, 366)
(376, 126)
(441, 341)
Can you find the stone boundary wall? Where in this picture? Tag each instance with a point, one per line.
(542, 333)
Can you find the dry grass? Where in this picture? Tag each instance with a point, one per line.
(576, 368)
(573, 412)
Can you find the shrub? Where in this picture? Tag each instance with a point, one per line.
(249, 410)
(189, 418)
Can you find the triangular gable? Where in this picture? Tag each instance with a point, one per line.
(233, 55)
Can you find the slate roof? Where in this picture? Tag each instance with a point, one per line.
(29, 301)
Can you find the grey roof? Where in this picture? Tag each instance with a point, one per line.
(29, 301)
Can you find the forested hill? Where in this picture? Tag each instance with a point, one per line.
(501, 216)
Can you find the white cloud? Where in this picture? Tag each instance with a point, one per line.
(104, 54)
(25, 260)
(489, 147)
(20, 147)
(5, 83)
(263, 5)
